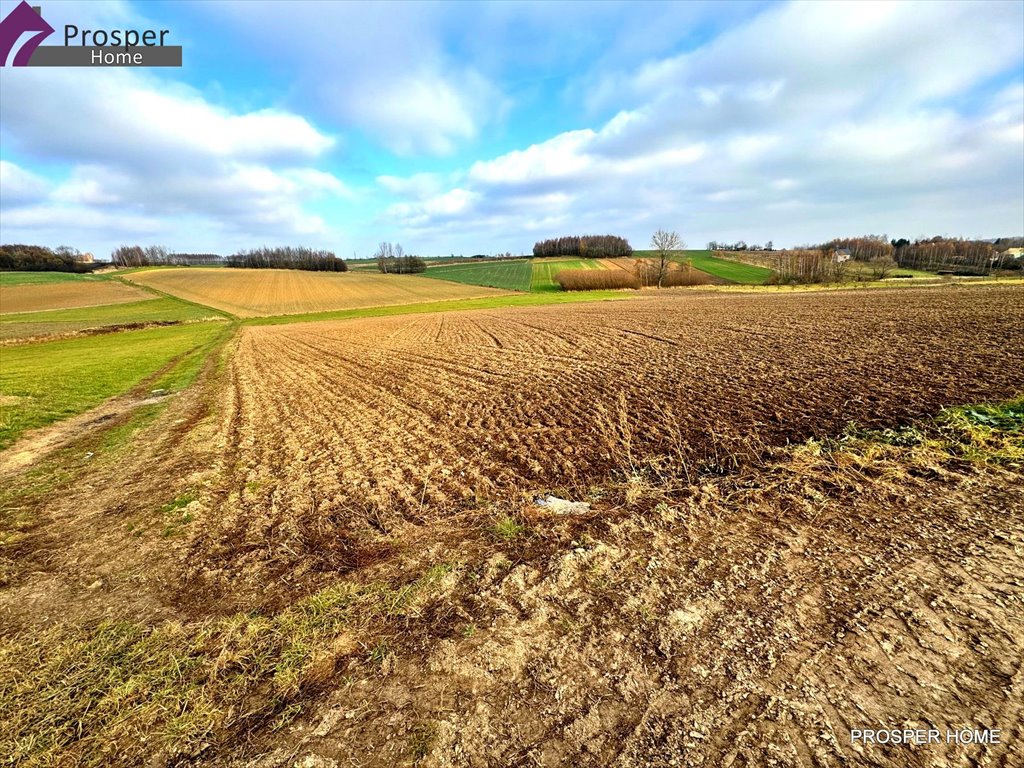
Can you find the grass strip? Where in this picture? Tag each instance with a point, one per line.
(452, 305)
(47, 381)
(54, 322)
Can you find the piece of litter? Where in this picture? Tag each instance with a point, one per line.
(562, 506)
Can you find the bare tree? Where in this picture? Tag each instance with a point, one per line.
(392, 259)
(881, 267)
(385, 256)
(665, 243)
(128, 256)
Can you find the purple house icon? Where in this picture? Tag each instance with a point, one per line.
(22, 19)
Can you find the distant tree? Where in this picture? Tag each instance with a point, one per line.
(769, 246)
(665, 243)
(385, 256)
(881, 267)
(287, 257)
(156, 254)
(67, 253)
(591, 246)
(392, 259)
(128, 256)
(38, 258)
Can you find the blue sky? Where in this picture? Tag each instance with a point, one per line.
(481, 128)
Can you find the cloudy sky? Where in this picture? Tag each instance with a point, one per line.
(480, 128)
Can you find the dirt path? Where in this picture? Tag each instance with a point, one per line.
(36, 444)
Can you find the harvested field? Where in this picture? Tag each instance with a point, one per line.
(262, 292)
(378, 423)
(67, 294)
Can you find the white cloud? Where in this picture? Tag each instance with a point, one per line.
(811, 120)
(151, 150)
(564, 155)
(19, 186)
(802, 121)
(377, 67)
(422, 112)
(121, 115)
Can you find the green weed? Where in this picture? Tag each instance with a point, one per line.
(508, 529)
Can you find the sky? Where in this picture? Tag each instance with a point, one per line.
(470, 128)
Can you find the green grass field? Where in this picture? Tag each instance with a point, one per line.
(733, 271)
(454, 305)
(544, 271)
(11, 279)
(59, 321)
(43, 382)
(860, 268)
(510, 275)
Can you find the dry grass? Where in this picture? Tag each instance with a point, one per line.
(676, 275)
(645, 271)
(83, 694)
(67, 295)
(595, 279)
(258, 293)
(685, 275)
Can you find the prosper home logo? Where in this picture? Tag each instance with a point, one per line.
(82, 47)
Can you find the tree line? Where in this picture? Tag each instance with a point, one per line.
(287, 257)
(939, 254)
(882, 255)
(934, 254)
(393, 260)
(39, 258)
(586, 246)
(740, 245)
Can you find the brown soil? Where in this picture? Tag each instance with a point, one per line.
(740, 615)
(751, 629)
(365, 431)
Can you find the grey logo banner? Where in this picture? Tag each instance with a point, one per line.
(106, 56)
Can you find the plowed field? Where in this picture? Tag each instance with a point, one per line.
(261, 292)
(416, 417)
(65, 295)
(321, 553)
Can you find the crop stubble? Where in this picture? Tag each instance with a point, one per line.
(261, 292)
(65, 295)
(337, 426)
